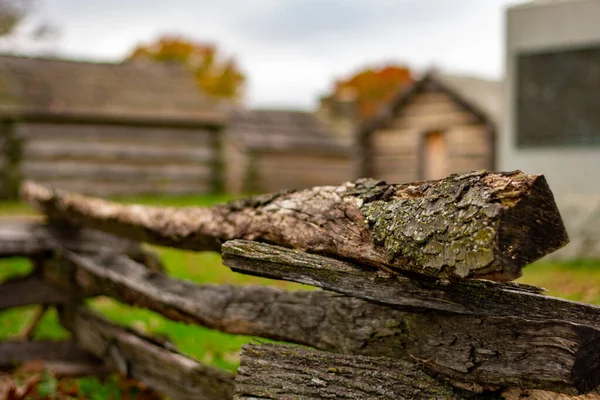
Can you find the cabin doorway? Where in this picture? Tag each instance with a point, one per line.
(433, 156)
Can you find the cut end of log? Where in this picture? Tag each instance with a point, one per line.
(533, 227)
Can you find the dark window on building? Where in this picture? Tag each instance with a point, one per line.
(558, 98)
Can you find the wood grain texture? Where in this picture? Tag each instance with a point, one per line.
(553, 355)
(115, 172)
(155, 363)
(138, 154)
(295, 373)
(519, 394)
(478, 225)
(128, 189)
(476, 297)
(128, 135)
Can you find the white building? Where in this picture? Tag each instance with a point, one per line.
(552, 109)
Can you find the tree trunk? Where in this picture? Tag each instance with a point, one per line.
(295, 373)
(492, 351)
(478, 225)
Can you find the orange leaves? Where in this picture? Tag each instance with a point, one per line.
(214, 75)
(374, 87)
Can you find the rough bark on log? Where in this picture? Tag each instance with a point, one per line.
(497, 351)
(482, 224)
(287, 372)
(13, 353)
(33, 239)
(31, 290)
(477, 297)
(148, 360)
(519, 394)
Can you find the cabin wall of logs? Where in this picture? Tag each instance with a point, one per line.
(415, 299)
(111, 159)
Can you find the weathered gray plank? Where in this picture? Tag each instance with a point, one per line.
(156, 364)
(477, 297)
(485, 225)
(127, 189)
(552, 355)
(31, 290)
(286, 373)
(114, 172)
(111, 152)
(13, 353)
(128, 135)
(32, 239)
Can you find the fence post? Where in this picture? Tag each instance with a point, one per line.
(10, 160)
(218, 175)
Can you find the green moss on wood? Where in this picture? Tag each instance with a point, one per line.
(449, 226)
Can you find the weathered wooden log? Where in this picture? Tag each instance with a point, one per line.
(520, 394)
(478, 225)
(32, 290)
(477, 297)
(155, 363)
(33, 239)
(286, 373)
(14, 353)
(493, 351)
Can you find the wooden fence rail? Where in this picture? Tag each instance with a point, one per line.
(397, 320)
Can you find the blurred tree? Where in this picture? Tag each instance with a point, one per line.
(373, 87)
(20, 26)
(215, 76)
(11, 13)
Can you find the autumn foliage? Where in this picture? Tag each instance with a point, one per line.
(374, 87)
(215, 75)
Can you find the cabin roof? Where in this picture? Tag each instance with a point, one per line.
(282, 130)
(46, 88)
(480, 96)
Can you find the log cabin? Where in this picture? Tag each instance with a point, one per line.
(107, 129)
(271, 150)
(441, 124)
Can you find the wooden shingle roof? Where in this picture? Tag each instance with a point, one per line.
(282, 130)
(60, 89)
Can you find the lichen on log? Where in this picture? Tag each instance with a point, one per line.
(478, 225)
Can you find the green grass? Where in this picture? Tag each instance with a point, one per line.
(572, 280)
(13, 208)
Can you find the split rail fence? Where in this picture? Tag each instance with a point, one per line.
(418, 301)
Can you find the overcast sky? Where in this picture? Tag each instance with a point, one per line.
(292, 50)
